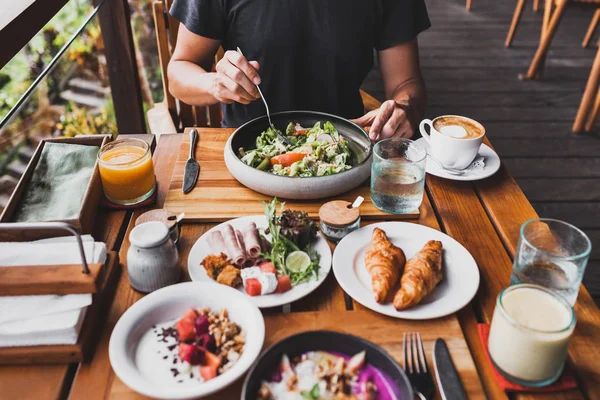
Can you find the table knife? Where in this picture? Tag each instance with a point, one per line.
(448, 380)
(192, 168)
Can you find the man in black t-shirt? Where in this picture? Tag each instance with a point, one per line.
(306, 55)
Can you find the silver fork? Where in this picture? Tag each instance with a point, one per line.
(415, 365)
(279, 135)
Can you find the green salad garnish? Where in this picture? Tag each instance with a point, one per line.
(314, 151)
(288, 236)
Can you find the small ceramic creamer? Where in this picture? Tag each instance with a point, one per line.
(152, 257)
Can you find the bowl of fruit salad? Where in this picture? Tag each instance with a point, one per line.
(186, 341)
(326, 365)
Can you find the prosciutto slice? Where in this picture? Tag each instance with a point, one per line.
(251, 240)
(240, 238)
(234, 250)
(216, 243)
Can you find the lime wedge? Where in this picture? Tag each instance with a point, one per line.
(297, 261)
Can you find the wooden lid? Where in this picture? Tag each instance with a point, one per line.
(338, 213)
(167, 217)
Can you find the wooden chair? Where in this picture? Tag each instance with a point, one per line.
(586, 115)
(173, 115)
(519, 11)
(553, 13)
(181, 114)
(591, 28)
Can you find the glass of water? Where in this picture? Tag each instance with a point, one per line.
(552, 254)
(398, 175)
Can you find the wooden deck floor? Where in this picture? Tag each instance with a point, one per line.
(468, 71)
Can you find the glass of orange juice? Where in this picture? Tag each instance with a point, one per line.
(126, 171)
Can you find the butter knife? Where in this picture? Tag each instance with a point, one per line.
(448, 380)
(192, 168)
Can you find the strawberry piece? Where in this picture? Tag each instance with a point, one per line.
(268, 266)
(212, 359)
(206, 341)
(283, 284)
(207, 372)
(186, 330)
(253, 287)
(201, 324)
(191, 353)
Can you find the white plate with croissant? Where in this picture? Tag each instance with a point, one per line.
(406, 270)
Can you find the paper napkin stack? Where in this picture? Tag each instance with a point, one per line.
(45, 319)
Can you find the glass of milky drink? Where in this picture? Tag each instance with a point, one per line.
(530, 333)
(553, 254)
(454, 140)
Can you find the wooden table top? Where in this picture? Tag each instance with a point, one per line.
(484, 216)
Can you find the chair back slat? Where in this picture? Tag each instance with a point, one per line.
(164, 52)
(172, 23)
(184, 115)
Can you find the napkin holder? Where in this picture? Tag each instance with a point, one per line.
(89, 205)
(98, 279)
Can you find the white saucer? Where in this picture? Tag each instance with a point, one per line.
(491, 159)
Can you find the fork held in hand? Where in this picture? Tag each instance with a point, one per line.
(415, 365)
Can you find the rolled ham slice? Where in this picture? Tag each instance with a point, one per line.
(234, 250)
(216, 243)
(240, 238)
(251, 240)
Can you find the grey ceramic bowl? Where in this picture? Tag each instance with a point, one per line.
(295, 187)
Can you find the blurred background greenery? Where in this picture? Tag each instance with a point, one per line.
(73, 98)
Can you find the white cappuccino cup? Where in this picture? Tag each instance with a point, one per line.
(454, 140)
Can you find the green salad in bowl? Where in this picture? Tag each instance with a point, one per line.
(300, 152)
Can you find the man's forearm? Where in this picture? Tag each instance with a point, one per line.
(411, 96)
(191, 84)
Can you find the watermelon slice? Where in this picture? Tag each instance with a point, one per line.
(186, 330)
(268, 266)
(283, 284)
(208, 372)
(253, 287)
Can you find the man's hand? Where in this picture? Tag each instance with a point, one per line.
(389, 120)
(236, 79)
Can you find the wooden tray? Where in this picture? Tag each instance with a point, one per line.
(91, 199)
(88, 335)
(218, 197)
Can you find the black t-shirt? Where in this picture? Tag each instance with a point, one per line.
(313, 54)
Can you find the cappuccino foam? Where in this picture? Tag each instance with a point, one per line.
(458, 127)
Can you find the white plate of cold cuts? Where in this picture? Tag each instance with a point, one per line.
(241, 242)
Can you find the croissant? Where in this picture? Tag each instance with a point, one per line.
(421, 274)
(385, 262)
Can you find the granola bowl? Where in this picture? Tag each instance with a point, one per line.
(186, 341)
(326, 364)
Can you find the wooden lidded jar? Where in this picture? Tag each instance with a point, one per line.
(338, 218)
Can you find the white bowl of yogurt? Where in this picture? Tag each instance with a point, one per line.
(146, 360)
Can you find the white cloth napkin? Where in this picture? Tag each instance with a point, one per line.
(45, 319)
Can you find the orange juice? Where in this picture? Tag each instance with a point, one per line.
(127, 171)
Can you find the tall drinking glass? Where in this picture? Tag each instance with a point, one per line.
(530, 333)
(552, 254)
(398, 175)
